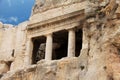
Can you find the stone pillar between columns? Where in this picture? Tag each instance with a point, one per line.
(28, 54)
(71, 43)
(48, 50)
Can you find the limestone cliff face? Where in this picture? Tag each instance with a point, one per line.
(12, 45)
(6, 41)
(20, 47)
(100, 54)
(43, 5)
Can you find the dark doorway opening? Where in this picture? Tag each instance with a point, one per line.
(78, 44)
(61, 40)
(60, 45)
(38, 49)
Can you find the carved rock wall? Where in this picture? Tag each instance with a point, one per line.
(43, 5)
(7, 35)
(100, 54)
(20, 47)
(12, 45)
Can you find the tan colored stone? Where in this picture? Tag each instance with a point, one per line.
(118, 12)
(100, 54)
(71, 43)
(3, 67)
(57, 12)
(49, 46)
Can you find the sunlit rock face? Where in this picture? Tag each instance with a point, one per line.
(7, 35)
(43, 5)
(97, 27)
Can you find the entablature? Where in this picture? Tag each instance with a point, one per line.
(57, 14)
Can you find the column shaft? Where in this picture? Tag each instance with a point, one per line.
(48, 50)
(28, 54)
(71, 43)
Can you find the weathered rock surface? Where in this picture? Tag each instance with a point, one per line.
(20, 46)
(100, 54)
(4, 67)
(50, 70)
(12, 44)
(7, 35)
(43, 5)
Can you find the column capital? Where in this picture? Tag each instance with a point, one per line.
(48, 34)
(72, 29)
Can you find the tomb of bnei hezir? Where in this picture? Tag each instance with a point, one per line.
(63, 40)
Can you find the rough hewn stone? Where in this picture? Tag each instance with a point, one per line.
(7, 40)
(4, 67)
(100, 54)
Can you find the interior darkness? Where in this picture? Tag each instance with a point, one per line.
(78, 42)
(36, 44)
(61, 38)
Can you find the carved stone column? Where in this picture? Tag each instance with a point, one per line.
(28, 54)
(71, 43)
(48, 50)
